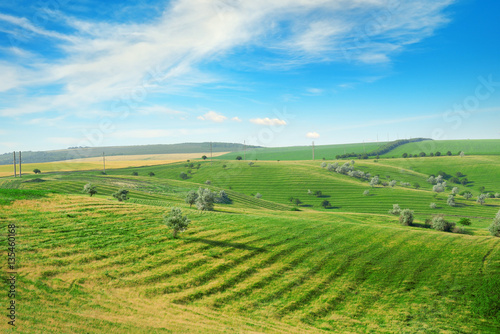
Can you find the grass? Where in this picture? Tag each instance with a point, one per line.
(92, 264)
(470, 147)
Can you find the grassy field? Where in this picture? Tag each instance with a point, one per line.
(302, 152)
(97, 265)
(96, 163)
(470, 147)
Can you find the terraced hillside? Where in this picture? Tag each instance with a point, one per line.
(469, 147)
(94, 265)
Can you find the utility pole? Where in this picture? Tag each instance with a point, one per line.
(104, 162)
(20, 164)
(313, 150)
(15, 164)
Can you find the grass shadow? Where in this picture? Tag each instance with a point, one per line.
(226, 244)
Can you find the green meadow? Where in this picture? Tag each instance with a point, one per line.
(96, 265)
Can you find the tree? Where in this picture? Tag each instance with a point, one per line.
(438, 154)
(422, 154)
(198, 166)
(151, 174)
(374, 181)
(135, 173)
(191, 197)
(494, 228)
(208, 182)
(366, 192)
(464, 181)
(223, 198)
(392, 183)
(297, 201)
(323, 164)
(440, 224)
(224, 166)
(258, 196)
(462, 154)
(290, 199)
(205, 200)
(451, 200)
(396, 210)
(431, 179)
(90, 189)
(176, 221)
(325, 204)
(318, 193)
(251, 163)
(239, 157)
(459, 174)
(416, 185)
(448, 153)
(405, 155)
(497, 195)
(481, 189)
(183, 176)
(465, 221)
(431, 154)
(406, 217)
(454, 191)
(467, 195)
(36, 171)
(438, 188)
(204, 157)
(481, 199)
(433, 205)
(121, 195)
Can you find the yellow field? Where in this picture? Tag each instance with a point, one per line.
(119, 161)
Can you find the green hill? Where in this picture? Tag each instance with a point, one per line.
(469, 147)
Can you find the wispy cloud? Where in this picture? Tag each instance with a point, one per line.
(268, 121)
(312, 135)
(236, 119)
(100, 62)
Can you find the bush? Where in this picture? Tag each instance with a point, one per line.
(392, 183)
(497, 195)
(467, 195)
(323, 164)
(36, 171)
(481, 199)
(396, 210)
(465, 221)
(251, 163)
(135, 173)
(183, 176)
(441, 224)
(318, 193)
(239, 157)
(90, 189)
(294, 209)
(454, 191)
(208, 182)
(224, 166)
(223, 198)
(416, 185)
(406, 217)
(433, 205)
(451, 200)
(326, 204)
(258, 196)
(151, 174)
(121, 195)
(366, 192)
(176, 221)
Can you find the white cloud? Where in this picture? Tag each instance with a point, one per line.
(236, 119)
(213, 116)
(102, 62)
(268, 121)
(314, 91)
(312, 135)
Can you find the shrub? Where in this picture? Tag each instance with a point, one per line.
(396, 210)
(497, 195)
(465, 221)
(441, 224)
(431, 179)
(406, 217)
(416, 185)
(297, 201)
(204, 157)
(433, 205)
(467, 195)
(208, 182)
(294, 209)
(438, 154)
(251, 163)
(454, 191)
(258, 196)
(239, 157)
(455, 180)
(481, 199)
(135, 173)
(318, 193)
(323, 164)
(451, 200)
(36, 171)
(494, 228)
(392, 183)
(374, 181)
(326, 204)
(183, 176)
(151, 174)
(366, 192)
(223, 198)
(438, 188)
(176, 221)
(121, 195)
(90, 189)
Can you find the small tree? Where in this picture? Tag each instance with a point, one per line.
(396, 210)
(183, 176)
(481, 189)
(431, 179)
(494, 228)
(36, 171)
(465, 221)
(258, 196)
(448, 153)
(440, 224)
(251, 163)
(191, 197)
(433, 205)
(239, 157)
(451, 200)
(374, 181)
(392, 183)
(406, 217)
(135, 173)
(318, 193)
(205, 200)
(326, 204)
(366, 192)
(176, 221)
(223, 198)
(438, 154)
(297, 201)
(121, 195)
(208, 182)
(90, 189)
(497, 195)
(323, 164)
(151, 174)
(416, 185)
(455, 191)
(467, 195)
(481, 199)
(405, 155)
(224, 166)
(438, 188)
(309, 192)
(462, 154)
(204, 157)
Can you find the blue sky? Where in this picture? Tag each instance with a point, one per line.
(271, 73)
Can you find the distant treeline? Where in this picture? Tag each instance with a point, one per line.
(381, 150)
(90, 152)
